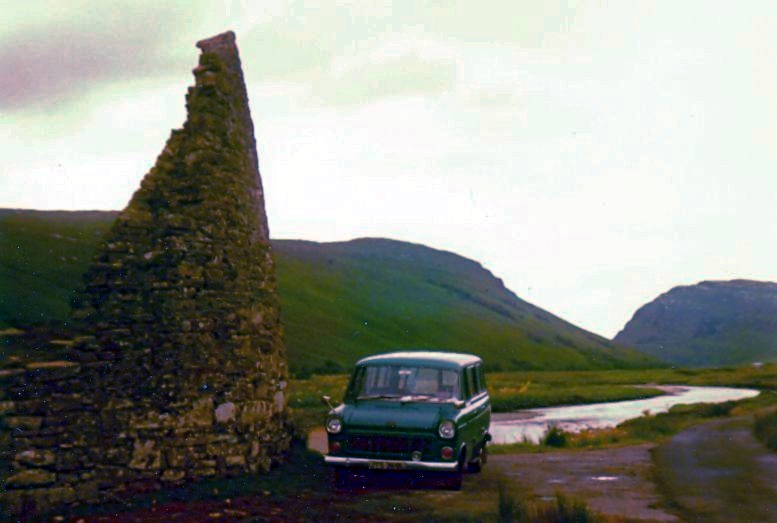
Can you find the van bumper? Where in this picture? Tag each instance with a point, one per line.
(389, 464)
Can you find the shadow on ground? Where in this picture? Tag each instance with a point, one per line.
(301, 490)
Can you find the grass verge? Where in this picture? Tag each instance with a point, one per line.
(652, 428)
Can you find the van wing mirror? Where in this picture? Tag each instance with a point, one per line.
(327, 400)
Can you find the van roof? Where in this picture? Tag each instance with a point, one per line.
(422, 357)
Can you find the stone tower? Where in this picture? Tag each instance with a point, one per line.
(180, 370)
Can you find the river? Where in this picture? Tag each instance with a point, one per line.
(532, 424)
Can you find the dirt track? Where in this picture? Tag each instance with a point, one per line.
(715, 472)
(615, 482)
(719, 472)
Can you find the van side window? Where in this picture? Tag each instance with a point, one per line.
(471, 384)
(478, 380)
(465, 391)
(482, 377)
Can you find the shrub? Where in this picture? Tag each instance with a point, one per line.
(716, 410)
(509, 509)
(561, 510)
(564, 510)
(555, 437)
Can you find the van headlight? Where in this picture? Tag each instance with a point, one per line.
(447, 429)
(334, 425)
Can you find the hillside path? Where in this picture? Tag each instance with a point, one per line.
(719, 472)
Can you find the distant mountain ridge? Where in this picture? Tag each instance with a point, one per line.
(340, 301)
(708, 324)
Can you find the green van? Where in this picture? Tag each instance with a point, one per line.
(413, 410)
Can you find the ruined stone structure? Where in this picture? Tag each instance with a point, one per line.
(178, 370)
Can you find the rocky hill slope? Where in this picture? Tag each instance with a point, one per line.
(707, 324)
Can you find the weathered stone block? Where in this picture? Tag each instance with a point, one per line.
(32, 501)
(145, 455)
(36, 458)
(173, 475)
(30, 478)
(200, 415)
(51, 370)
(23, 423)
(280, 401)
(68, 461)
(203, 471)
(236, 461)
(255, 412)
(118, 456)
(151, 420)
(226, 412)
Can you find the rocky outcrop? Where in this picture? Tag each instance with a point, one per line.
(711, 323)
(179, 369)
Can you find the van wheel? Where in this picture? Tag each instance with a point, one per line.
(476, 465)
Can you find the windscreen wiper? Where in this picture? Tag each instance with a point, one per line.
(378, 397)
(415, 397)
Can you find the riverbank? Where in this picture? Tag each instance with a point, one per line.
(532, 425)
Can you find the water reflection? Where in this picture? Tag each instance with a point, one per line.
(531, 425)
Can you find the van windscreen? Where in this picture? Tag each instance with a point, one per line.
(403, 381)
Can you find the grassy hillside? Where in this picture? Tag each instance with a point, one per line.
(42, 257)
(343, 300)
(340, 300)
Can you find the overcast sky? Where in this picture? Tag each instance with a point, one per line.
(591, 154)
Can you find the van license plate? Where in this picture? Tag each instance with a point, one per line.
(386, 465)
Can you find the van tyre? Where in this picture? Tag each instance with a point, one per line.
(476, 465)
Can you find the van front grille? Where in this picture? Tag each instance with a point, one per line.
(387, 444)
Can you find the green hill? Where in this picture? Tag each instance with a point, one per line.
(42, 257)
(340, 300)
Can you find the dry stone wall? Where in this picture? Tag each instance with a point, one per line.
(178, 370)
